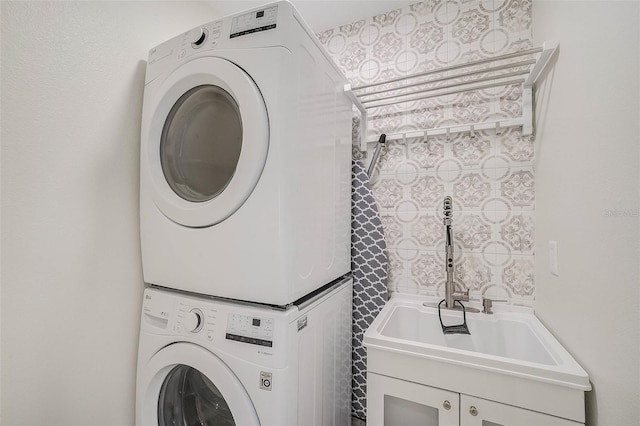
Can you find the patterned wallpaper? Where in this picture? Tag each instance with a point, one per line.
(490, 175)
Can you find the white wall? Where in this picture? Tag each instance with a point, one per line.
(72, 81)
(587, 196)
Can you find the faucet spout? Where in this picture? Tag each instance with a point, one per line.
(450, 294)
(448, 218)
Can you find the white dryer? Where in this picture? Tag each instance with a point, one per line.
(245, 160)
(212, 362)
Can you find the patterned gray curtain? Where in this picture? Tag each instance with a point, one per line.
(369, 267)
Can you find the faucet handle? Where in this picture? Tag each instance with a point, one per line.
(487, 304)
(462, 296)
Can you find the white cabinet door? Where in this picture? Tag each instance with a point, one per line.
(393, 402)
(481, 412)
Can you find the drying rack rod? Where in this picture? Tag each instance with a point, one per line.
(438, 91)
(455, 67)
(460, 75)
(472, 76)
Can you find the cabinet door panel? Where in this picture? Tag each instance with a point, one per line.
(481, 412)
(393, 402)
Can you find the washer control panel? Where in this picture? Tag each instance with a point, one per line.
(244, 330)
(250, 329)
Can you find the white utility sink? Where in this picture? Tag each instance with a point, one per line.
(507, 336)
(505, 353)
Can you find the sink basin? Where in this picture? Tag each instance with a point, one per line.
(514, 343)
(507, 336)
(509, 356)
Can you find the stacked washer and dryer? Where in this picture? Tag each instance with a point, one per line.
(245, 218)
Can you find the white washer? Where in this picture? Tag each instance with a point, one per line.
(245, 160)
(207, 361)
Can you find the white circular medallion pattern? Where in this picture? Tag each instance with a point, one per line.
(449, 170)
(500, 209)
(407, 173)
(495, 167)
(406, 61)
(447, 52)
(369, 34)
(369, 69)
(491, 5)
(336, 43)
(496, 247)
(494, 41)
(406, 24)
(407, 211)
(492, 258)
(503, 168)
(447, 12)
(405, 250)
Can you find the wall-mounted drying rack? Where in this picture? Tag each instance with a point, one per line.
(498, 71)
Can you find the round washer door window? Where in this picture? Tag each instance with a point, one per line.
(184, 384)
(205, 141)
(188, 397)
(201, 143)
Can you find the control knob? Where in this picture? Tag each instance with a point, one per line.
(193, 321)
(197, 37)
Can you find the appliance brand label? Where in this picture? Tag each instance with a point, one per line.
(265, 380)
(302, 322)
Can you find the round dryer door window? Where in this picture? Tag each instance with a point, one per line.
(205, 144)
(201, 143)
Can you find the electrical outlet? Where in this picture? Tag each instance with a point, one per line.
(553, 258)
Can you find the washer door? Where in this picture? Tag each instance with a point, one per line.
(207, 141)
(186, 385)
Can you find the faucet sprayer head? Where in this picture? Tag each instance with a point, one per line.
(448, 209)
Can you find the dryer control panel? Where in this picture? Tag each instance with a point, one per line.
(254, 21)
(250, 329)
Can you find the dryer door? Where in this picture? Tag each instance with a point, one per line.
(207, 141)
(185, 385)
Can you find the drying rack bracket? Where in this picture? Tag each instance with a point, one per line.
(364, 117)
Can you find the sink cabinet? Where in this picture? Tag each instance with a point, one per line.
(509, 371)
(392, 401)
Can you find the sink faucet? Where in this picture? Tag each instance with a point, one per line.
(450, 294)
